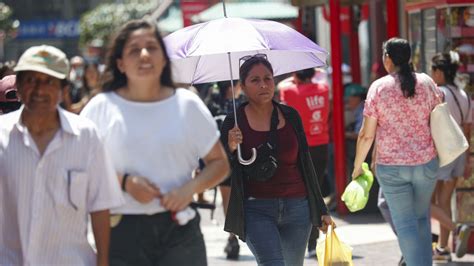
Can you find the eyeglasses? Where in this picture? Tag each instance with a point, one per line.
(246, 58)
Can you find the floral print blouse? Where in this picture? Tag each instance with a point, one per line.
(403, 132)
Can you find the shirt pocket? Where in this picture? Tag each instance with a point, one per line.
(76, 189)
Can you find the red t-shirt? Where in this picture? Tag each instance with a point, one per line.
(287, 181)
(312, 103)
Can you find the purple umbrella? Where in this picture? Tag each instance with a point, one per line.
(200, 52)
(210, 51)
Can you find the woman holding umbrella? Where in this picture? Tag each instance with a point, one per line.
(274, 214)
(154, 133)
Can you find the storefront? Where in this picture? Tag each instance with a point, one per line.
(441, 26)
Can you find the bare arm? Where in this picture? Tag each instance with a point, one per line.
(101, 229)
(374, 159)
(217, 168)
(364, 142)
(466, 128)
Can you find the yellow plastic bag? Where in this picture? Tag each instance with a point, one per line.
(332, 252)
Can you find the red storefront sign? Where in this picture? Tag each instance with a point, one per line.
(191, 8)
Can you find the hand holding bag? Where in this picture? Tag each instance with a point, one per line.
(448, 137)
(332, 252)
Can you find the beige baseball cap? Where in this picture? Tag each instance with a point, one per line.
(44, 59)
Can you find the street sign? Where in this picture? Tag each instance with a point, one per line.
(48, 29)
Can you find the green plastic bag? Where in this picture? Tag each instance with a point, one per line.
(356, 194)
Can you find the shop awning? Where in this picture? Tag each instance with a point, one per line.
(323, 2)
(257, 10)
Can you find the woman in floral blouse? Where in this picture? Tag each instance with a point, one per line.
(396, 114)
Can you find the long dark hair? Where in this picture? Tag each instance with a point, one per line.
(305, 74)
(447, 64)
(113, 78)
(400, 52)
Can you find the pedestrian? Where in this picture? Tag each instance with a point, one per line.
(91, 82)
(274, 201)
(354, 97)
(311, 100)
(6, 68)
(444, 68)
(54, 173)
(76, 77)
(221, 104)
(155, 134)
(9, 101)
(396, 113)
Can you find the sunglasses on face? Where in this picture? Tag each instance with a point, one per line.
(246, 58)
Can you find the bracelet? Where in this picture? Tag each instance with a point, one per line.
(124, 182)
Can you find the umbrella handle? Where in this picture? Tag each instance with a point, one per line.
(249, 161)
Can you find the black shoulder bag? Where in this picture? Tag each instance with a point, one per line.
(266, 163)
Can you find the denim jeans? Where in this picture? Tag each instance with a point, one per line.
(408, 190)
(277, 230)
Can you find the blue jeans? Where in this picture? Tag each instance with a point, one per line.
(408, 190)
(277, 230)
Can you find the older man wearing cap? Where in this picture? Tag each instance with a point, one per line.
(354, 97)
(54, 172)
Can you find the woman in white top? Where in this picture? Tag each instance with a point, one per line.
(444, 68)
(155, 134)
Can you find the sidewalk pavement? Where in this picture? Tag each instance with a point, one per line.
(372, 240)
(371, 237)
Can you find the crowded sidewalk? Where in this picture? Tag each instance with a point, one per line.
(373, 241)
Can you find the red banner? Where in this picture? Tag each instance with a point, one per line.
(191, 8)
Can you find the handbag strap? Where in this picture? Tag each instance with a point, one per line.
(457, 103)
(272, 135)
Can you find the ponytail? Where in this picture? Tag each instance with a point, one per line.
(407, 80)
(400, 52)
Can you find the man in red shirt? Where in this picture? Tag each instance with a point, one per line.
(311, 100)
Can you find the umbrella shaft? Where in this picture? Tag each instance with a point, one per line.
(232, 87)
(223, 6)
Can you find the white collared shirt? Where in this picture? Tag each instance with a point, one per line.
(45, 200)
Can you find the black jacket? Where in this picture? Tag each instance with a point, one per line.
(234, 222)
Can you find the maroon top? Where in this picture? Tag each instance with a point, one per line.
(287, 181)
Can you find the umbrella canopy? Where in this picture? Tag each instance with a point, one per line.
(200, 53)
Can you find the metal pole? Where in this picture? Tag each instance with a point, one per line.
(354, 45)
(392, 18)
(338, 105)
(223, 6)
(239, 151)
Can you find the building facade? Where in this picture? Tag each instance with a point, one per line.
(53, 22)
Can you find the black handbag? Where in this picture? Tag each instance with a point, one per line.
(265, 165)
